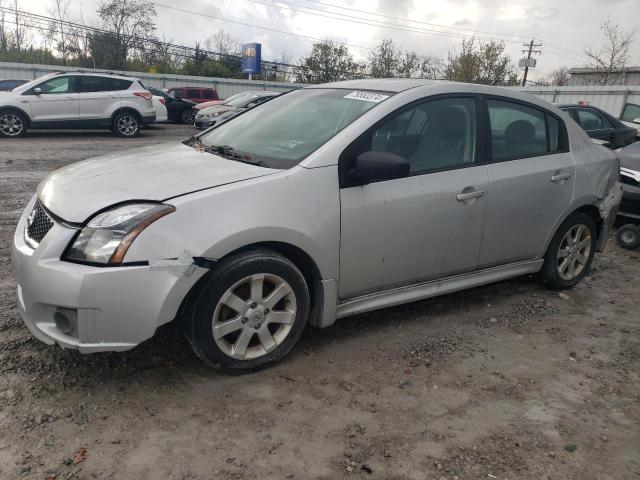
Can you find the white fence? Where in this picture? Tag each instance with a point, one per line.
(611, 98)
(225, 86)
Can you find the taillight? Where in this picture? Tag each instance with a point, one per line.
(162, 100)
(145, 95)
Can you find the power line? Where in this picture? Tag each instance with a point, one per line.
(365, 21)
(222, 19)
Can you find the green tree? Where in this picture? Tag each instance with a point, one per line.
(329, 61)
(131, 25)
(481, 62)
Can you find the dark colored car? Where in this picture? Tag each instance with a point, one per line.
(599, 124)
(215, 114)
(178, 109)
(8, 85)
(196, 94)
(628, 234)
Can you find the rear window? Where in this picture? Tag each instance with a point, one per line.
(193, 93)
(208, 94)
(519, 131)
(88, 84)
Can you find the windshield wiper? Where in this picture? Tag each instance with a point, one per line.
(226, 151)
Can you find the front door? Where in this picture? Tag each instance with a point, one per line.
(531, 180)
(57, 101)
(428, 225)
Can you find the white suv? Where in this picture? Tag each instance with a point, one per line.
(77, 100)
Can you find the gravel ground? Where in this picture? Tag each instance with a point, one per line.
(507, 381)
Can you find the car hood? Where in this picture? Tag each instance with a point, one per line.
(159, 172)
(215, 108)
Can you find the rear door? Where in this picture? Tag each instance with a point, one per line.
(425, 226)
(95, 97)
(58, 101)
(531, 177)
(596, 125)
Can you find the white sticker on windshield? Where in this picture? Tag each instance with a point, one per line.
(367, 96)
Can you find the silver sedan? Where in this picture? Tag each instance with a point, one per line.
(326, 202)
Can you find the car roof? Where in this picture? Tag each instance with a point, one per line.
(395, 85)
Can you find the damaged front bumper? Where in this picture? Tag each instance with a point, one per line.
(112, 308)
(608, 210)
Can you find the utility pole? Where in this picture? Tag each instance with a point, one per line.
(527, 62)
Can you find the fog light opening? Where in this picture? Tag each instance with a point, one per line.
(66, 320)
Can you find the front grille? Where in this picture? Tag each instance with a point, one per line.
(38, 224)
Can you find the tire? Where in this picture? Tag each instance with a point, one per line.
(628, 236)
(255, 332)
(187, 117)
(126, 124)
(555, 272)
(12, 124)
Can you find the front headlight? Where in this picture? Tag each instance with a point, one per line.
(108, 236)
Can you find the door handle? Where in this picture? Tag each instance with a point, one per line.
(68, 98)
(560, 177)
(463, 197)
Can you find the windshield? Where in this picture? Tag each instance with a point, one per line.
(282, 132)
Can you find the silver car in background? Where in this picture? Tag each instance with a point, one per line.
(323, 203)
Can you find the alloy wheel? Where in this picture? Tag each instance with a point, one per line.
(11, 125)
(254, 316)
(127, 125)
(574, 252)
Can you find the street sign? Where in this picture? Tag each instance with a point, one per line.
(527, 62)
(251, 58)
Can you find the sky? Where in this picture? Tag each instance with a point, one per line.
(429, 27)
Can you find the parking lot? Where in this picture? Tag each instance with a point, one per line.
(507, 381)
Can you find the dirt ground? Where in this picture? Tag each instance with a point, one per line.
(509, 381)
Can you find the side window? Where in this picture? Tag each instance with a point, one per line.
(589, 120)
(117, 84)
(56, 85)
(193, 93)
(92, 84)
(208, 94)
(630, 112)
(433, 135)
(554, 132)
(516, 130)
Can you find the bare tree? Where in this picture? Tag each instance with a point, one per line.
(558, 77)
(611, 60)
(223, 43)
(59, 30)
(21, 35)
(389, 60)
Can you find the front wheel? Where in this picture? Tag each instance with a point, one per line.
(12, 124)
(570, 253)
(126, 125)
(250, 312)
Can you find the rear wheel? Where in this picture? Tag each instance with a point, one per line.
(570, 253)
(12, 124)
(250, 313)
(126, 124)
(628, 236)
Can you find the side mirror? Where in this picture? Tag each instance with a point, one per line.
(636, 120)
(378, 166)
(252, 104)
(37, 91)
